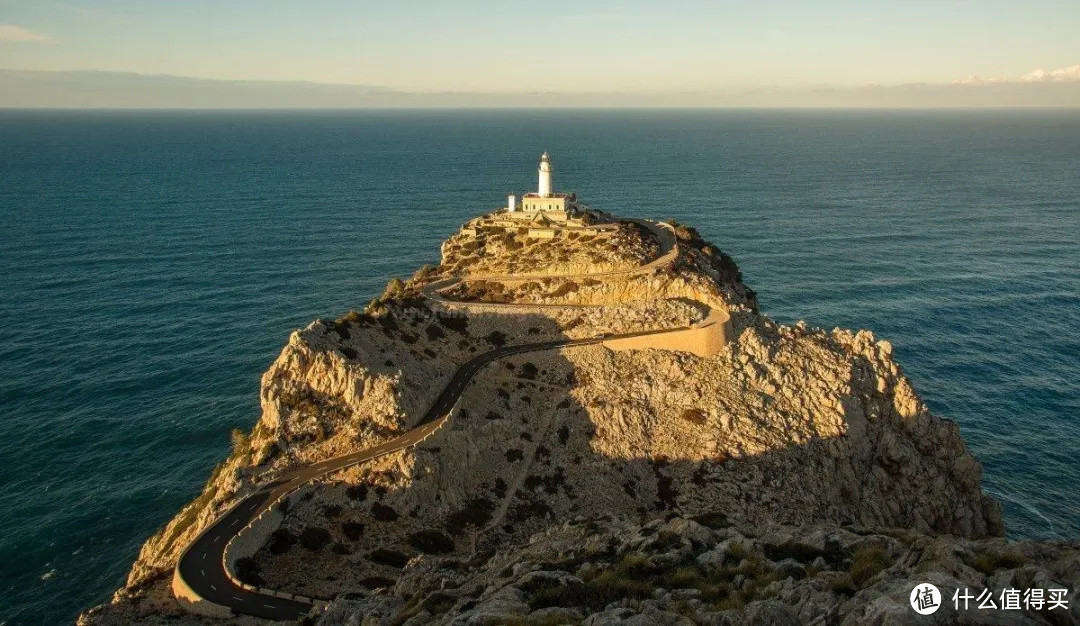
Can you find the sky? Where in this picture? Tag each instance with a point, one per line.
(552, 45)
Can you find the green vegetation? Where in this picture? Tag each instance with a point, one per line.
(843, 585)
(376, 582)
(424, 274)
(528, 370)
(383, 513)
(596, 591)
(357, 493)
(866, 563)
(457, 324)
(431, 542)
(247, 570)
(991, 562)
(636, 577)
(281, 540)
(395, 288)
(438, 603)
(241, 443)
(476, 512)
(800, 552)
(391, 558)
(713, 519)
(352, 317)
(352, 530)
(314, 538)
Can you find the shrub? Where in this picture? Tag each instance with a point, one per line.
(497, 338)
(424, 273)
(373, 307)
(431, 542)
(376, 582)
(352, 530)
(247, 570)
(314, 538)
(394, 288)
(458, 324)
(339, 548)
(682, 578)
(385, 556)
(843, 585)
(528, 370)
(866, 563)
(596, 593)
(713, 519)
(476, 512)
(800, 552)
(352, 317)
(989, 563)
(383, 513)
(281, 541)
(357, 492)
(241, 442)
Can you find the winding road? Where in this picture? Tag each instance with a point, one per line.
(200, 574)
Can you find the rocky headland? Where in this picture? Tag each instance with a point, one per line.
(794, 477)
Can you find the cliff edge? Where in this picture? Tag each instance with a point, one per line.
(793, 476)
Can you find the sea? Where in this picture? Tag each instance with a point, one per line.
(153, 264)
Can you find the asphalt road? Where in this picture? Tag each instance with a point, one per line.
(201, 565)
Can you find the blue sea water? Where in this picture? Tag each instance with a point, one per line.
(153, 264)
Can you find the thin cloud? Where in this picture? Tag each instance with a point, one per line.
(9, 32)
(976, 79)
(1069, 74)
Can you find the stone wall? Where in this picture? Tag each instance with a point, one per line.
(705, 339)
(193, 602)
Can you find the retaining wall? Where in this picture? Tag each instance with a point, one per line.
(250, 538)
(705, 339)
(193, 602)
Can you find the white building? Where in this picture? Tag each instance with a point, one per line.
(544, 204)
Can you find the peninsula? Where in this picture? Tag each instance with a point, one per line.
(580, 417)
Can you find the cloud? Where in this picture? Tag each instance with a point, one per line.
(1069, 74)
(1061, 75)
(18, 33)
(976, 79)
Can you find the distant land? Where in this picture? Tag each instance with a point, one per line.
(101, 90)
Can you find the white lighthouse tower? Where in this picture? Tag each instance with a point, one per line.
(544, 189)
(544, 205)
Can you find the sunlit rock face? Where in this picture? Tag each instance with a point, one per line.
(788, 426)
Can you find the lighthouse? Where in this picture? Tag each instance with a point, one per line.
(545, 204)
(544, 188)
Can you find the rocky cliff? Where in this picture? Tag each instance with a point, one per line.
(792, 450)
